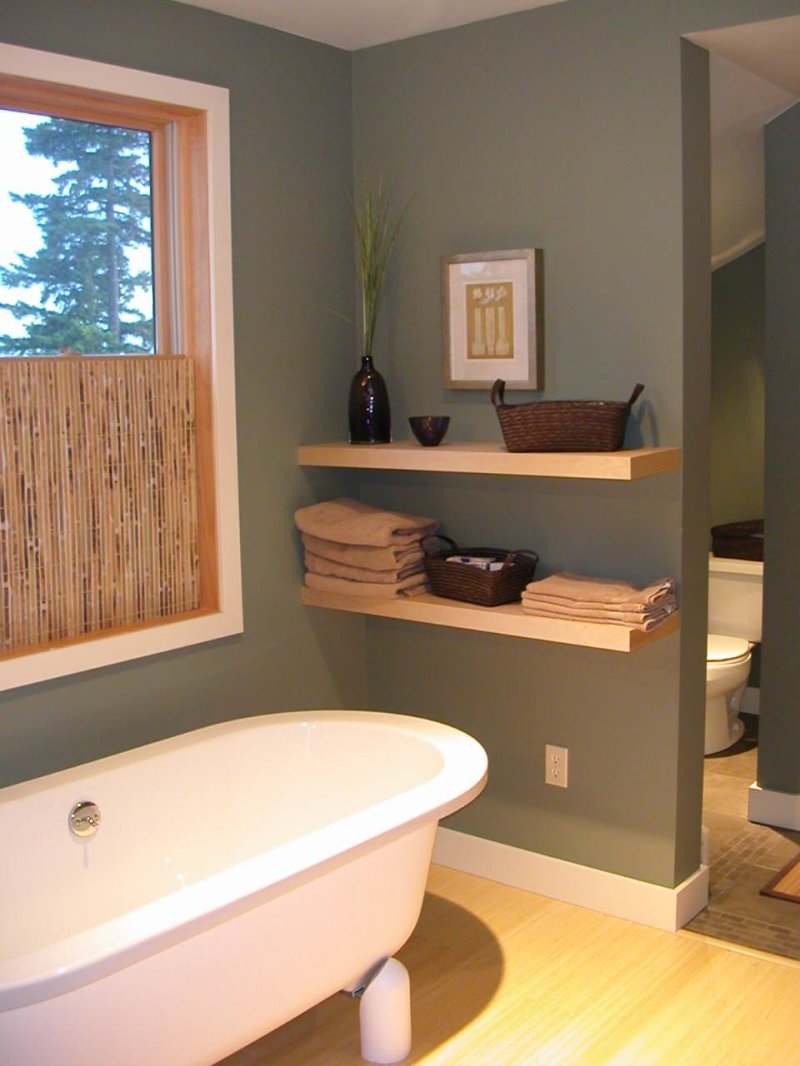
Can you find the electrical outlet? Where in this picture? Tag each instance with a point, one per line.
(556, 762)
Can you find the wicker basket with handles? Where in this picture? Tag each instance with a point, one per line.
(469, 582)
(739, 540)
(563, 425)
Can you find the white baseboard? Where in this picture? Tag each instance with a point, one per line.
(766, 807)
(597, 890)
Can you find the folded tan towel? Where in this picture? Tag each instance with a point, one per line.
(319, 565)
(578, 606)
(588, 607)
(348, 521)
(573, 588)
(411, 586)
(644, 620)
(395, 557)
(645, 626)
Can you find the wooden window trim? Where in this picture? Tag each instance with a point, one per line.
(191, 237)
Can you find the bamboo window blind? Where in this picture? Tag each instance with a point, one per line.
(98, 495)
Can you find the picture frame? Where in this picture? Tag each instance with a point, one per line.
(492, 319)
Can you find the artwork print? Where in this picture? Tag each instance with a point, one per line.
(492, 320)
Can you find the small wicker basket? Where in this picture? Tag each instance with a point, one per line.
(563, 425)
(463, 581)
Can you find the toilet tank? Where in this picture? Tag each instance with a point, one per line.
(735, 597)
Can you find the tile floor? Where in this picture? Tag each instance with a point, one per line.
(743, 857)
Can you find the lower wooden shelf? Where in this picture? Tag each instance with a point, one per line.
(508, 620)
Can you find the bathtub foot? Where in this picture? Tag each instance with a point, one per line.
(385, 1015)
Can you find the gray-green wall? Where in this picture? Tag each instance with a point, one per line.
(737, 389)
(291, 160)
(562, 128)
(779, 731)
(737, 397)
(527, 131)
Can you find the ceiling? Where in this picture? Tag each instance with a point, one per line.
(353, 24)
(741, 104)
(755, 74)
(770, 49)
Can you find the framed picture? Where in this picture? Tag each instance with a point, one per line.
(492, 319)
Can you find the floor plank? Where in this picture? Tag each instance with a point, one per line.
(502, 977)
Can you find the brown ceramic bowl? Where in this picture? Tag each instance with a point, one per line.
(429, 429)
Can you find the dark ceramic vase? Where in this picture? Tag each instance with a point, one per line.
(370, 413)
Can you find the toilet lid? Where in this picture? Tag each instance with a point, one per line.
(721, 649)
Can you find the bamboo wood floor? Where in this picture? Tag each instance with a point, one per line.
(502, 977)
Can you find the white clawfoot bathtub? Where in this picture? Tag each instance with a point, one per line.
(239, 875)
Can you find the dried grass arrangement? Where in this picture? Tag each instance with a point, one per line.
(98, 499)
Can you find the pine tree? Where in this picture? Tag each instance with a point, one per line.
(83, 286)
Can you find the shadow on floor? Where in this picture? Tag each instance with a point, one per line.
(456, 967)
(743, 857)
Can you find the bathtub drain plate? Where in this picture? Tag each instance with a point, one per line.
(84, 818)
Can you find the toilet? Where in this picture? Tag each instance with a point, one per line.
(734, 626)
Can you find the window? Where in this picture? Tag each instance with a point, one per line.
(76, 244)
(137, 299)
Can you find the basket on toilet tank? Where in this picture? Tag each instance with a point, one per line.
(563, 425)
(739, 540)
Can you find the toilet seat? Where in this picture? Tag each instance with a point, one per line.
(721, 649)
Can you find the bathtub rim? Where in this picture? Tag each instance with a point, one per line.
(91, 954)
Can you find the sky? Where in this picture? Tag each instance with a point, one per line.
(19, 233)
(19, 173)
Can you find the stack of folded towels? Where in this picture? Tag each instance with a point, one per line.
(353, 549)
(590, 599)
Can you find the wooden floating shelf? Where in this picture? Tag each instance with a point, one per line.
(508, 620)
(486, 458)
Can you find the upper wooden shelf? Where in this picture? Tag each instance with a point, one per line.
(508, 620)
(490, 458)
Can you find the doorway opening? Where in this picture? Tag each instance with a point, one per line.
(753, 78)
